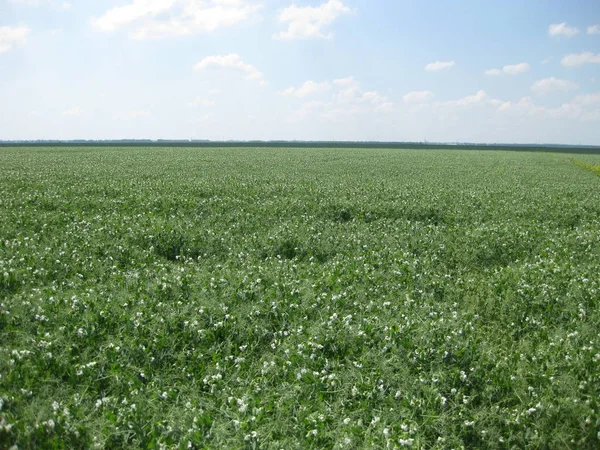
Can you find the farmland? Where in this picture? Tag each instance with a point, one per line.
(298, 298)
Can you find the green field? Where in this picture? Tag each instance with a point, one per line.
(298, 298)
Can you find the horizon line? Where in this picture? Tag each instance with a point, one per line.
(288, 141)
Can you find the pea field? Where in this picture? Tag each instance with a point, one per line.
(298, 298)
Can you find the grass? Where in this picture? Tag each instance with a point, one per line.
(298, 298)
(585, 165)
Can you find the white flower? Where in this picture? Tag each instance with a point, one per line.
(406, 442)
(252, 435)
(242, 405)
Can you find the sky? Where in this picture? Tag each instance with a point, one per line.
(509, 71)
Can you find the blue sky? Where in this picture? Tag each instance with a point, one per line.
(389, 70)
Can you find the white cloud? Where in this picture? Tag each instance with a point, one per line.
(355, 99)
(307, 22)
(578, 59)
(552, 84)
(351, 93)
(230, 62)
(349, 99)
(439, 65)
(385, 107)
(564, 111)
(154, 19)
(374, 98)
(480, 98)
(516, 69)
(513, 69)
(54, 3)
(12, 36)
(588, 99)
(590, 106)
(562, 29)
(583, 108)
(524, 106)
(493, 72)
(73, 112)
(463, 108)
(345, 82)
(132, 115)
(199, 101)
(214, 91)
(125, 15)
(308, 88)
(30, 2)
(418, 97)
(547, 60)
(593, 29)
